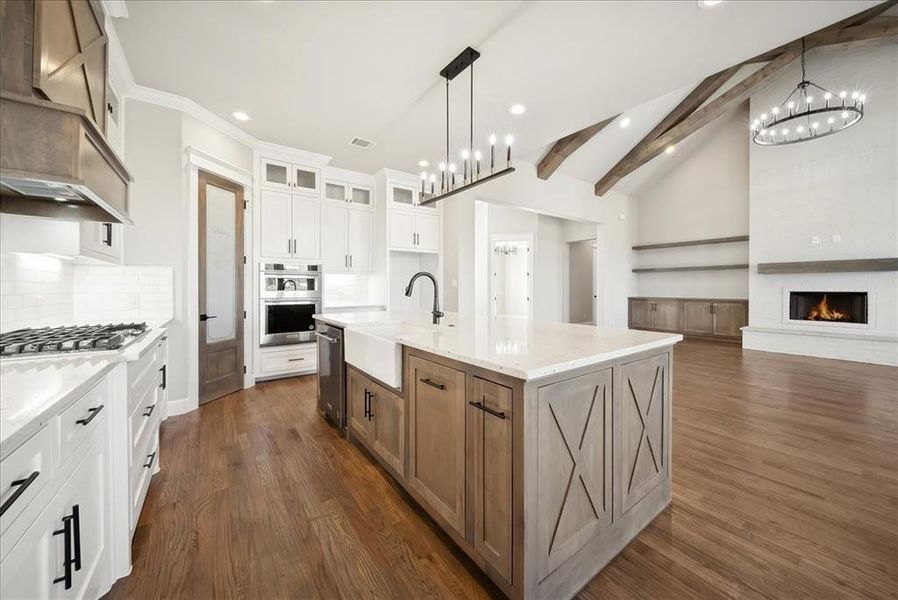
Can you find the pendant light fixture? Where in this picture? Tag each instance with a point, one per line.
(808, 113)
(472, 173)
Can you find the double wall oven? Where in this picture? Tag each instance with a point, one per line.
(289, 294)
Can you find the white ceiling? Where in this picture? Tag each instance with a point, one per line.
(312, 75)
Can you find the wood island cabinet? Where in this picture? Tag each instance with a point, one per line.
(376, 416)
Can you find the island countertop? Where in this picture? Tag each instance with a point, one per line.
(518, 347)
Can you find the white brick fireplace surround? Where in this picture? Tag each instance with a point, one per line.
(830, 199)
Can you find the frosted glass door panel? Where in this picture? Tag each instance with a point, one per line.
(305, 179)
(335, 192)
(221, 263)
(361, 196)
(276, 174)
(403, 196)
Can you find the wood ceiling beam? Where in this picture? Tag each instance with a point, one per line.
(690, 103)
(858, 33)
(566, 146)
(696, 120)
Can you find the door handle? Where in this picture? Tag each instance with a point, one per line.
(332, 340)
(205, 317)
(93, 413)
(21, 485)
(149, 463)
(433, 384)
(482, 406)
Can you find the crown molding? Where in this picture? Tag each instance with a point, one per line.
(117, 9)
(120, 75)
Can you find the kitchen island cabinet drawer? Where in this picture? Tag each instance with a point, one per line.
(142, 373)
(24, 473)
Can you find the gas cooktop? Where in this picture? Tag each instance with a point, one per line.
(59, 340)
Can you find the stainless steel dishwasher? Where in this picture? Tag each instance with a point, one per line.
(331, 374)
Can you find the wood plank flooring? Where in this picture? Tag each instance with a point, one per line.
(785, 485)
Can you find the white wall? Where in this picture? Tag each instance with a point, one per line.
(844, 185)
(35, 291)
(700, 192)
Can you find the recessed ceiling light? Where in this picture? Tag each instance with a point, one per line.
(240, 115)
(708, 3)
(625, 122)
(670, 149)
(423, 163)
(517, 109)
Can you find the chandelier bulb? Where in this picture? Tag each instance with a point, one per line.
(827, 96)
(452, 167)
(854, 95)
(843, 94)
(442, 166)
(423, 176)
(763, 116)
(830, 120)
(477, 155)
(809, 99)
(465, 154)
(493, 139)
(775, 110)
(862, 98)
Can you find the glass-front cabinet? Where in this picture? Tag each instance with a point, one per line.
(289, 177)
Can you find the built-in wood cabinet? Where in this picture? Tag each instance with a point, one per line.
(347, 239)
(376, 415)
(289, 225)
(436, 470)
(699, 317)
(490, 466)
(289, 177)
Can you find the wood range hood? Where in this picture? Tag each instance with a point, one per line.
(55, 160)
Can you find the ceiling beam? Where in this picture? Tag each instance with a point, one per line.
(696, 98)
(696, 120)
(566, 146)
(858, 33)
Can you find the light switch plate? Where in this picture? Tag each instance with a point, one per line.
(837, 239)
(815, 239)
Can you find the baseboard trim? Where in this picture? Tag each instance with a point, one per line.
(180, 406)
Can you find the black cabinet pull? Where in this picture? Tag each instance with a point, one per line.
(68, 561)
(93, 413)
(366, 404)
(108, 238)
(149, 463)
(370, 406)
(76, 530)
(150, 410)
(163, 369)
(21, 485)
(438, 386)
(487, 409)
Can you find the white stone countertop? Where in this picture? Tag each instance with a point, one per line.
(515, 346)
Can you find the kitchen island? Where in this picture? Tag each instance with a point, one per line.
(541, 449)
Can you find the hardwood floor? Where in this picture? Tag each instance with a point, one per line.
(785, 485)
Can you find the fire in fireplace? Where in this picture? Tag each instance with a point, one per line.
(843, 307)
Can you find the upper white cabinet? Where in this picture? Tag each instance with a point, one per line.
(290, 177)
(412, 226)
(348, 239)
(102, 241)
(288, 226)
(406, 196)
(359, 196)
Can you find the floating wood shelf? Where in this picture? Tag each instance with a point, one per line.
(701, 268)
(830, 266)
(723, 240)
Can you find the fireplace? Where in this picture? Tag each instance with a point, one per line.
(831, 307)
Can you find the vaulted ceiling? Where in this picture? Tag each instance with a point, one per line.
(313, 75)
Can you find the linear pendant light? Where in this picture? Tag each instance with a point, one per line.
(471, 175)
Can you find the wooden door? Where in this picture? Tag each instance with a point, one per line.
(275, 232)
(490, 465)
(402, 229)
(427, 226)
(360, 227)
(306, 224)
(641, 412)
(667, 315)
(640, 314)
(698, 318)
(220, 286)
(388, 432)
(357, 404)
(334, 223)
(436, 470)
(729, 318)
(574, 466)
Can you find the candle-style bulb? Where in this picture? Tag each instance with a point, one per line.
(508, 141)
(493, 139)
(477, 157)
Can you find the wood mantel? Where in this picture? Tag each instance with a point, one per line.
(859, 265)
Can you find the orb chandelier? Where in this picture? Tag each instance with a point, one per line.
(809, 112)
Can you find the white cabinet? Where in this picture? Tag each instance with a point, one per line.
(27, 571)
(277, 361)
(102, 241)
(348, 239)
(417, 230)
(162, 368)
(288, 226)
(279, 175)
(339, 192)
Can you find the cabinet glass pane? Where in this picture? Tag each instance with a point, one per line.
(403, 196)
(361, 196)
(333, 191)
(221, 265)
(276, 173)
(306, 179)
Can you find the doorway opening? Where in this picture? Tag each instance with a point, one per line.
(511, 281)
(581, 282)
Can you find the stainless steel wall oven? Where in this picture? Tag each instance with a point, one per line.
(289, 296)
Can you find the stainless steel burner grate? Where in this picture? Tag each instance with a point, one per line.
(81, 338)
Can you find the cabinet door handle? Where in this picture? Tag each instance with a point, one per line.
(330, 339)
(149, 463)
(150, 410)
(434, 384)
(366, 403)
(370, 406)
(21, 485)
(164, 370)
(482, 406)
(350, 261)
(93, 413)
(295, 359)
(68, 561)
(76, 532)
(108, 237)
(288, 245)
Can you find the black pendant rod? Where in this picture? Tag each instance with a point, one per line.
(447, 126)
(471, 140)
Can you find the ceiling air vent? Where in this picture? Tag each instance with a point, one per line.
(361, 143)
